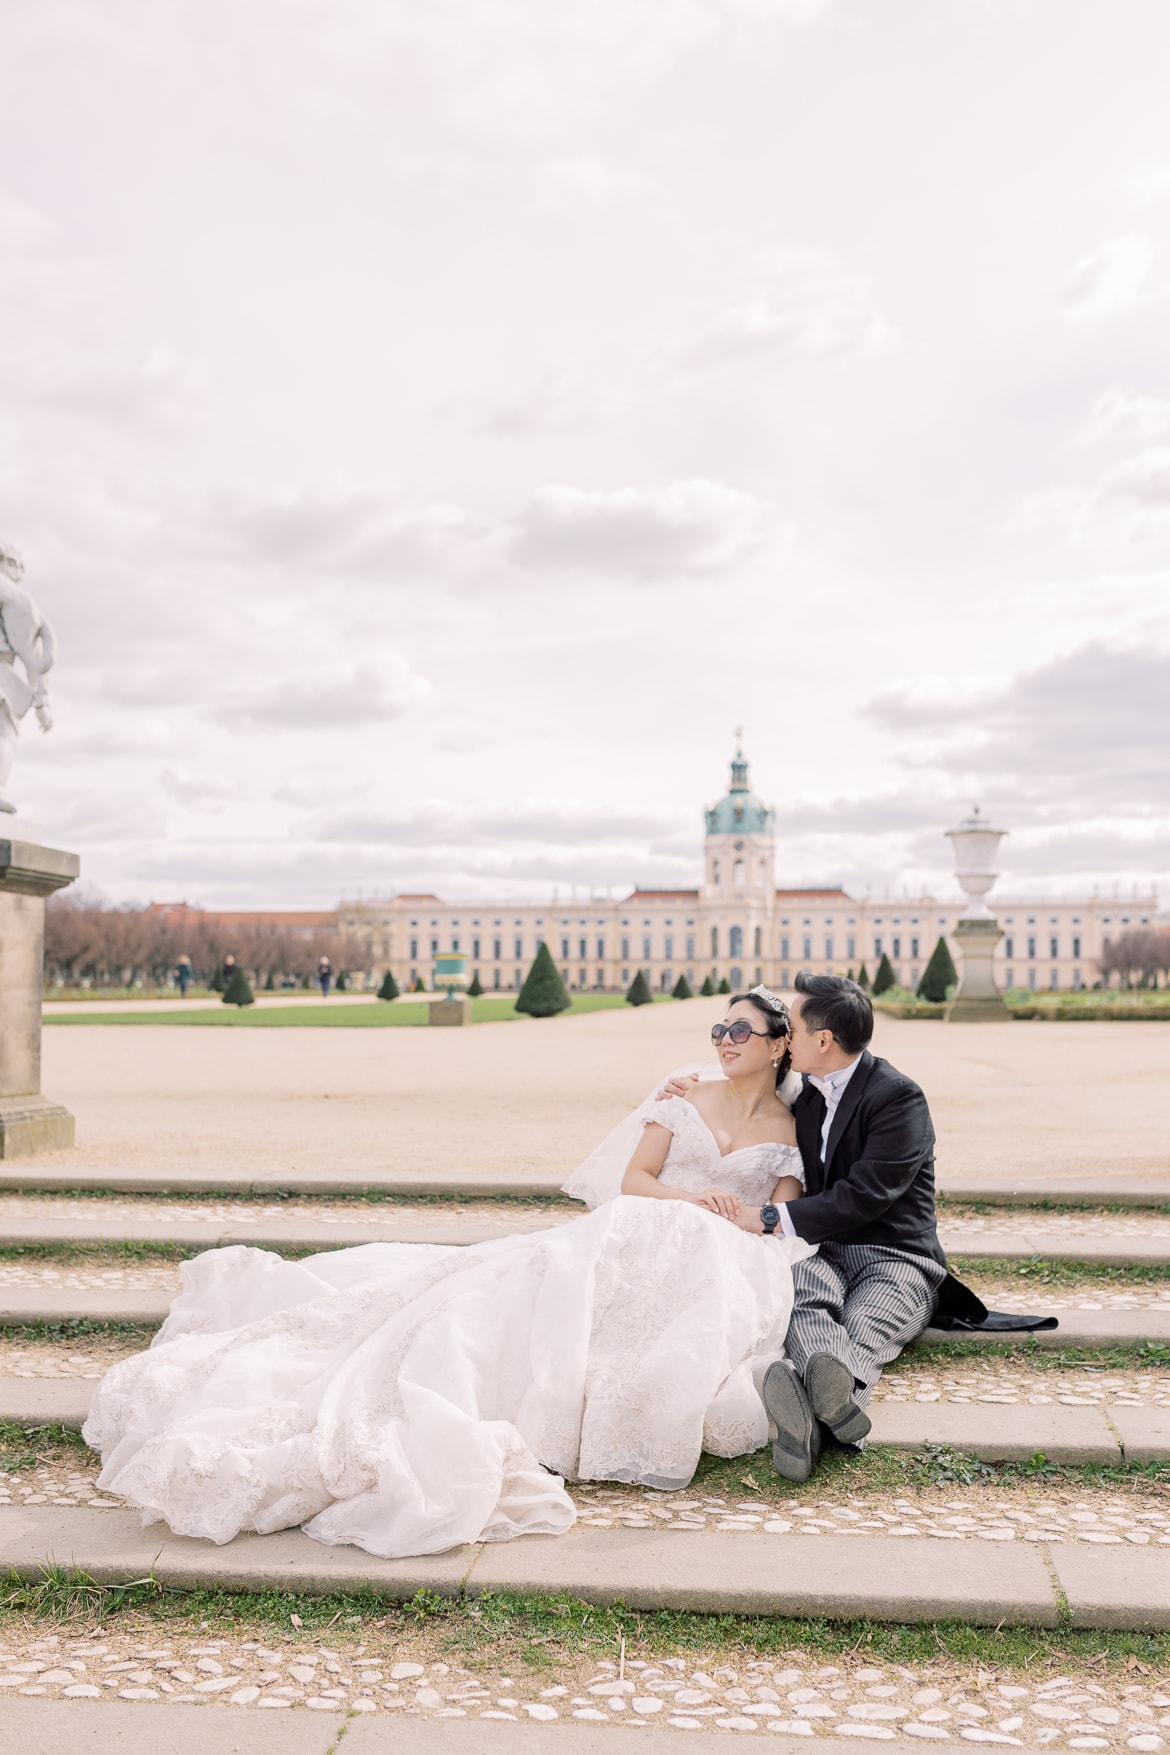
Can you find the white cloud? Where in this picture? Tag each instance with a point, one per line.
(1117, 278)
(560, 401)
(571, 182)
(1149, 181)
(810, 309)
(1125, 411)
(1140, 487)
(316, 700)
(689, 528)
(163, 391)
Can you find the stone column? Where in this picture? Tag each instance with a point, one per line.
(977, 999)
(29, 872)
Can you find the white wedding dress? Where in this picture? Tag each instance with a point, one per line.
(407, 1397)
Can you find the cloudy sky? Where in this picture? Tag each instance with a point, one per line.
(433, 427)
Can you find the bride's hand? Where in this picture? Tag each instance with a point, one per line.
(717, 1200)
(677, 1087)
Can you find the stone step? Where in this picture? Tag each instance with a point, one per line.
(1067, 1436)
(1124, 1191)
(97, 1727)
(303, 1233)
(875, 1578)
(30, 1306)
(57, 1179)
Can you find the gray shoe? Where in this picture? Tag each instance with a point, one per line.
(798, 1436)
(831, 1388)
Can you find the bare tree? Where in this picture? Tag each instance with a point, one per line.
(89, 941)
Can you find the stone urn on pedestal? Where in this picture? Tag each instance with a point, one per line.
(29, 871)
(977, 998)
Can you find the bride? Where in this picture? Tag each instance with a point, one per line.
(408, 1397)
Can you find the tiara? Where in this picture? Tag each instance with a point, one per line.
(772, 1000)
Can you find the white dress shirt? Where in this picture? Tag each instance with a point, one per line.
(832, 1089)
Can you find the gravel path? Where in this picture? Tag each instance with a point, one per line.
(937, 1703)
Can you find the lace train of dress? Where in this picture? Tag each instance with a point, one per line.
(407, 1398)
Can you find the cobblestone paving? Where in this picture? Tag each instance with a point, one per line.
(939, 1703)
(499, 1217)
(90, 1359)
(1061, 1227)
(982, 1512)
(999, 1382)
(1016, 1293)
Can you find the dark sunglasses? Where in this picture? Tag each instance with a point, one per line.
(737, 1032)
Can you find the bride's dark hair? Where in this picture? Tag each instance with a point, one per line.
(779, 1024)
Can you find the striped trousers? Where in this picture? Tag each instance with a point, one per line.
(862, 1303)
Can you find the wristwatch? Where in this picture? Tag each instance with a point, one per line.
(771, 1218)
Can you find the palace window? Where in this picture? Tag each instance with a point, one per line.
(434, 947)
(414, 950)
(475, 948)
(807, 947)
(714, 941)
(738, 875)
(784, 946)
(735, 942)
(784, 977)
(646, 947)
(1008, 945)
(851, 948)
(1076, 947)
(690, 947)
(668, 947)
(1054, 946)
(828, 947)
(715, 871)
(601, 947)
(1054, 978)
(497, 948)
(584, 979)
(583, 947)
(496, 980)
(758, 941)
(897, 947)
(519, 951)
(454, 944)
(1032, 947)
(625, 977)
(914, 948)
(877, 946)
(625, 950)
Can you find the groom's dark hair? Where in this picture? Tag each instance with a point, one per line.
(833, 1002)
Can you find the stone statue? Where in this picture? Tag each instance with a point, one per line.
(27, 636)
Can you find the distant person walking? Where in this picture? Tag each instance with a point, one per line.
(325, 976)
(184, 975)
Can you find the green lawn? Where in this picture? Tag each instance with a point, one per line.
(376, 1014)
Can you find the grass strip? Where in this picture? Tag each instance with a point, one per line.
(377, 1197)
(1041, 1270)
(374, 1015)
(546, 1633)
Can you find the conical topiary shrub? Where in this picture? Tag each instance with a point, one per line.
(708, 987)
(681, 989)
(238, 990)
(543, 993)
(939, 975)
(475, 990)
(639, 993)
(724, 986)
(217, 982)
(389, 987)
(420, 985)
(884, 979)
(863, 979)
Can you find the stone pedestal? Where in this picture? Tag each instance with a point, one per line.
(455, 1010)
(28, 873)
(977, 999)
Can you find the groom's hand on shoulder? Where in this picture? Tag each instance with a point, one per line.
(677, 1087)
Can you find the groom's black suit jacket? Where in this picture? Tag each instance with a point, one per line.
(876, 1184)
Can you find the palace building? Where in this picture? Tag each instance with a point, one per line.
(737, 925)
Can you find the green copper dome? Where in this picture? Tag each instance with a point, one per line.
(739, 813)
